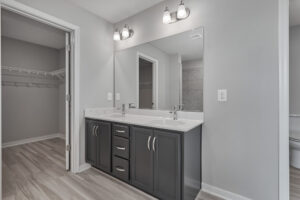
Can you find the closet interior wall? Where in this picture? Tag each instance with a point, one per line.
(33, 105)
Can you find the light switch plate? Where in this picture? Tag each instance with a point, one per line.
(109, 96)
(118, 96)
(222, 95)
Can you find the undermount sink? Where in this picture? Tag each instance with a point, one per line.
(168, 122)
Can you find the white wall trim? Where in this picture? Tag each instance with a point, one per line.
(84, 167)
(30, 140)
(155, 73)
(283, 43)
(35, 14)
(224, 194)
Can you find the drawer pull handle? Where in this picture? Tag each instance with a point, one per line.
(120, 131)
(148, 144)
(96, 130)
(120, 169)
(93, 132)
(153, 144)
(121, 148)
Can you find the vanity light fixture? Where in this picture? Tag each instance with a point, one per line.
(124, 34)
(117, 35)
(167, 16)
(181, 13)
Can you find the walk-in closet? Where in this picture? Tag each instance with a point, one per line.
(33, 100)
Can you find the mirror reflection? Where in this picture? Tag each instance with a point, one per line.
(162, 74)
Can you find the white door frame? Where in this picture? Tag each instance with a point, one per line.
(155, 78)
(283, 43)
(74, 75)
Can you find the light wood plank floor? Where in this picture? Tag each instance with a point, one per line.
(294, 183)
(36, 171)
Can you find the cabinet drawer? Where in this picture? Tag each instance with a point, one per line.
(120, 147)
(120, 168)
(121, 130)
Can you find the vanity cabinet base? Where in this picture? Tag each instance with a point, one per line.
(163, 163)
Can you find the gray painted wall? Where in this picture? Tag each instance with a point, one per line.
(61, 95)
(29, 111)
(295, 70)
(295, 77)
(240, 137)
(22, 54)
(96, 55)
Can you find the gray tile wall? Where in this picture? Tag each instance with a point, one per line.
(192, 85)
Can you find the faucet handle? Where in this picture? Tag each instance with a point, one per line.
(132, 105)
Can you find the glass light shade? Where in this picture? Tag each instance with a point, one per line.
(117, 36)
(181, 11)
(166, 16)
(125, 32)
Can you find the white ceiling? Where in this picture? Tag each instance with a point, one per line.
(183, 44)
(115, 10)
(294, 12)
(22, 28)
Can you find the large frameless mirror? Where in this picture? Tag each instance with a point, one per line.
(162, 74)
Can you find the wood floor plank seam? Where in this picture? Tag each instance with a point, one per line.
(36, 171)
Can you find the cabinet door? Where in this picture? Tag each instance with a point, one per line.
(141, 158)
(167, 162)
(90, 143)
(103, 132)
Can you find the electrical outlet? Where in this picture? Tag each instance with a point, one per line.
(109, 96)
(222, 95)
(118, 96)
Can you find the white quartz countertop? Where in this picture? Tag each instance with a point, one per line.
(161, 122)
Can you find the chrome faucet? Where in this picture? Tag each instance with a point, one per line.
(123, 109)
(174, 112)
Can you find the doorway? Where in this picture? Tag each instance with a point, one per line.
(147, 82)
(74, 60)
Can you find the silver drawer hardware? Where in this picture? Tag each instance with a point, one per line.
(121, 148)
(96, 130)
(153, 143)
(120, 169)
(93, 130)
(149, 138)
(120, 131)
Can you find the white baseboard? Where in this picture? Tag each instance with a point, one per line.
(29, 140)
(84, 167)
(61, 135)
(218, 192)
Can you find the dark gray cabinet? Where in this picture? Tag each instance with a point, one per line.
(98, 144)
(103, 131)
(166, 164)
(155, 162)
(142, 158)
(90, 143)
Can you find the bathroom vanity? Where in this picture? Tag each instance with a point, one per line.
(158, 155)
(147, 147)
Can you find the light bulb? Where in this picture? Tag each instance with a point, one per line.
(166, 16)
(117, 35)
(125, 32)
(181, 11)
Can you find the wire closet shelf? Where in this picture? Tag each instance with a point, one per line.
(22, 77)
